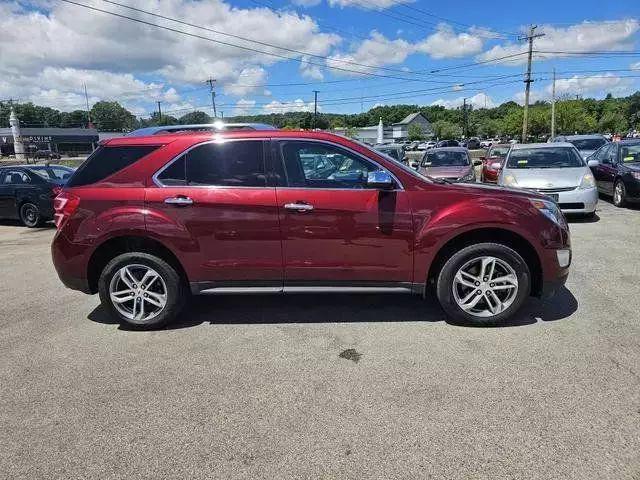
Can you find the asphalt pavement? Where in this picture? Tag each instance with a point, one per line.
(324, 387)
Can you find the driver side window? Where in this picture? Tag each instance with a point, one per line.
(319, 165)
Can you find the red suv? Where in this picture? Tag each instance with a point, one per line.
(147, 221)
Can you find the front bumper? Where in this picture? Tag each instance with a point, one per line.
(573, 201)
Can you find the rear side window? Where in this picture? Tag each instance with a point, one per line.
(106, 161)
(230, 164)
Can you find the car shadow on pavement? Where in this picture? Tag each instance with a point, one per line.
(17, 223)
(338, 308)
(581, 218)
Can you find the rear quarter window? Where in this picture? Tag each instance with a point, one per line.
(106, 161)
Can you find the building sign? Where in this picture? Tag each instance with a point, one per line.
(36, 138)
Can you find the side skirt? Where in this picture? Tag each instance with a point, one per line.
(257, 288)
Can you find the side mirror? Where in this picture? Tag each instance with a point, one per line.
(483, 158)
(380, 179)
(414, 165)
(477, 162)
(593, 163)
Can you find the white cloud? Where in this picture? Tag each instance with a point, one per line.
(456, 88)
(306, 3)
(635, 66)
(309, 71)
(243, 107)
(249, 80)
(534, 96)
(583, 37)
(374, 52)
(597, 84)
(297, 105)
(367, 4)
(480, 100)
(68, 38)
(446, 43)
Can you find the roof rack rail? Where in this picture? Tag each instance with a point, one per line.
(204, 127)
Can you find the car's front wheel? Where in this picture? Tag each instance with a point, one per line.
(483, 284)
(141, 290)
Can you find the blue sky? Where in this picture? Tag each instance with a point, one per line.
(361, 52)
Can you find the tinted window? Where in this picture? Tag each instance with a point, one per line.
(106, 161)
(546, 157)
(231, 164)
(630, 153)
(588, 143)
(317, 165)
(52, 173)
(498, 152)
(15, 177)
(175, 174)
(446, 159)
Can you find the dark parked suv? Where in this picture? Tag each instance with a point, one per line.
(147, 220)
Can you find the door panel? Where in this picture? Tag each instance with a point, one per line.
(215, 208)
(350, 235)
(226, 234)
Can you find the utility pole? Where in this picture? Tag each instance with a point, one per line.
(211, 81)
(464, 117)
(553, 105)
(315, 108)
(86, 99)
(159, 113)
(528, 81)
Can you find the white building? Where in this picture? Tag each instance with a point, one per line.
(396, 132)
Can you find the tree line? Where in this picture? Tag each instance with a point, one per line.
(573, 115)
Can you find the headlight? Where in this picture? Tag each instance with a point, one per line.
(468, 177)
(587, 182)
(509, 180)
(636, 175)
(549, 210)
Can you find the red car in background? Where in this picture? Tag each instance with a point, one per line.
(146, 221)
(493, 161)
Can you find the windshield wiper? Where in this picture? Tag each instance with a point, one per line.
(440, 180)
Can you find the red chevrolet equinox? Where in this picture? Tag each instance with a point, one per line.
(147, 221)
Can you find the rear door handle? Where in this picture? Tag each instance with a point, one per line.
(180, 201)
(298, 207)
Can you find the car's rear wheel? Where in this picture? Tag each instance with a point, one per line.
(141, 290)
(30, 215)
(619, 194)
(483, 284)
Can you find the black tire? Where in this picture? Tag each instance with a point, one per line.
(620, 201)
(445, 283)
(176, 289)
(30, 215)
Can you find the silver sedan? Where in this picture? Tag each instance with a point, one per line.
(554, 169)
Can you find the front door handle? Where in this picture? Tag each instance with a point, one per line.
(179, 200)
(299, 207)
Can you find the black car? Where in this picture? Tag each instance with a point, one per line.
(472, 143)
(27, 192)
(616, 168)
(47, 155)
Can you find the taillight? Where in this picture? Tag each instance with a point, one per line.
(64, 204)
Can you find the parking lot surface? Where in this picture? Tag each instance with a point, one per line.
(324, 387)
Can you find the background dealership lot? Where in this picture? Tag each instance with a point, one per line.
(254, 387)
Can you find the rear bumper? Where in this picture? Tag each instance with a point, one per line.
(70, 264)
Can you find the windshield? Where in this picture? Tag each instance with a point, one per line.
(588, 143)
(392, 152)
(630, 153)
(446, 159)
(499, 151)
(53, 173)
(546, 157)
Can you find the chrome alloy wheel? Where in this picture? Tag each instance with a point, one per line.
(618, 194)
(138, 293)
(485, 286)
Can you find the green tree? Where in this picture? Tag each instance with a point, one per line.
(196, 117)
(111, 116)
(415, 132)
(446, 130)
